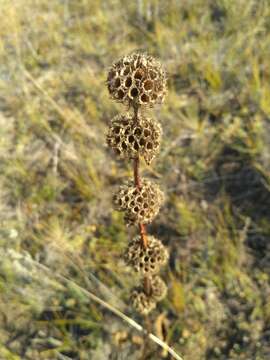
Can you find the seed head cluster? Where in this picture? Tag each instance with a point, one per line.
(146, 260)
(144, 303)
(130, 137)
(138, 80)
(140, 205)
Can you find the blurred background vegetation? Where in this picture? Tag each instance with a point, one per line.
(57, 177)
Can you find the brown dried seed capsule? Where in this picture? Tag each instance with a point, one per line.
(142, 303)
(142, 204)
(139, 76)
(146, 261)
(129, 137)
(158, 288)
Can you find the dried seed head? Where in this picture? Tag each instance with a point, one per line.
(158, 288)
(137, 79)
(146, 261)
(129, 137)
(144, 303)
(140, 205)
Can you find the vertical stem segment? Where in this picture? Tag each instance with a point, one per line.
(137, 179)
(137, 183)
(142, 228)
(146, 285)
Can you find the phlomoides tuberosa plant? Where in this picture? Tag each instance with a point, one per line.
(138, 81)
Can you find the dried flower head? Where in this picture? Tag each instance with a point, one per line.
(130, 137)
(158, 288)
(146, 261)
(140, 205)
(141, 302)
(144, 303)
(137, 79)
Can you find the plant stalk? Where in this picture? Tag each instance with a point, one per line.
(142, 227)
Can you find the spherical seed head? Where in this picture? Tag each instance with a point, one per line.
(142, 303)
(137, 79)
(130, 137)
(158, 288)
(146, 261)
(140, 205)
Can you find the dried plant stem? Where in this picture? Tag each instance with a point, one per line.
(137, 179)
(147, 285)
(137, 183)
(139, 80)
(143, 234)
(142, 227)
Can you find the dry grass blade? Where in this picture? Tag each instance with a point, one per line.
(112, 309)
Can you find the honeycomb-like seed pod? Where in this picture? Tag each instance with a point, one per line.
(141, 302)
(130, 137)
(140, 205)
(137, 79)
(146, 261)
(144, 303)
(158, 288)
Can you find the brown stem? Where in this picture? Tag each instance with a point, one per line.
(137, 179)
(137, 183)
(147, 285)
(142, 227)
(143, 235)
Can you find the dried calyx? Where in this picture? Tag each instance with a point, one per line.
(130, 137)
(137, 79)
(148, 260)
(140, 205)
(143, 302)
